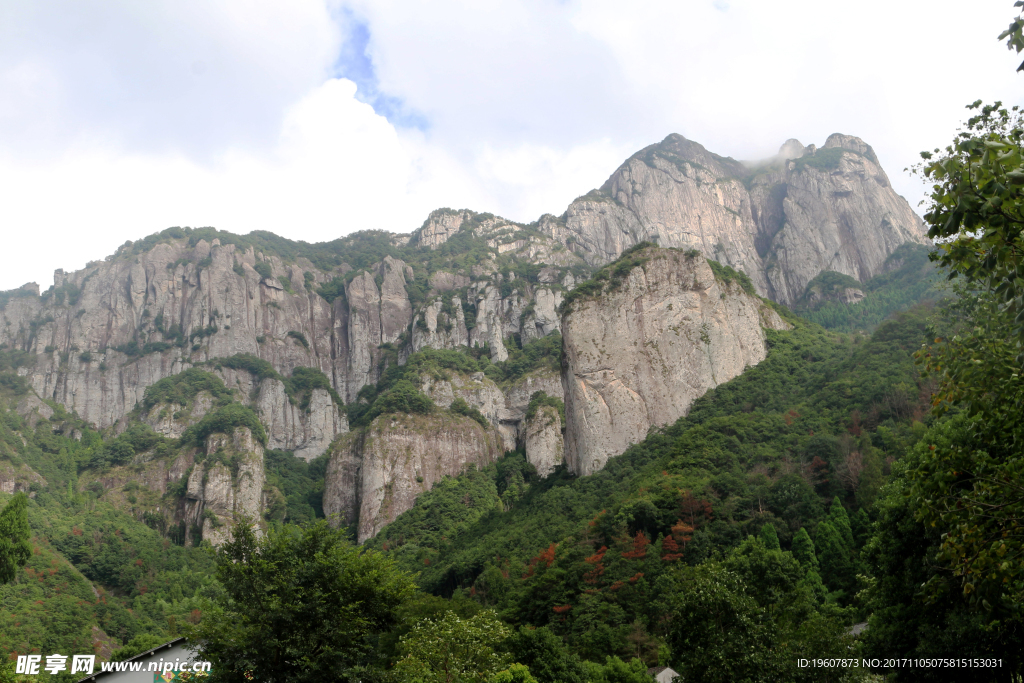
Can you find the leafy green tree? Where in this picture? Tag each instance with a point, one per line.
(906, 621)
(614, 670)
(767, 573)
(546, 655)
(517, 673)
(1014, 35)
(769, 537)
(834, 558)
(7, 670)
(803, 550)
(451, 649)
(967, 482)
(136, 646)
(717, 632)
(14, 534)
(977, 208)
(840, 521)
(299, 605)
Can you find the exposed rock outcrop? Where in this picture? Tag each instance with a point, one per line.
(481, 393)
(637, 356)
(376, 473)
(440, 325)
(105, 333)
(544, 449)
(227, 486)
(841, 214)
(306, 432)
(171, 420)
(806, 211)
(15, 478)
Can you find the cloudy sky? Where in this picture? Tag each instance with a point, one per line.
(316, 118)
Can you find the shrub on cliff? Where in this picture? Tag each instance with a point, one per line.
(224, 420)
(183, 387)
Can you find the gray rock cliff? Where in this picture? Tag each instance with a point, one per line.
(543, 442)
(637, 356)
(782, 221)
(219, 495)
(377, 472)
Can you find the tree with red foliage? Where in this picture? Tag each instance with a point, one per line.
(681, 532)
(546, 558)
(695, 511)
(639, 550)
(670, 550)
(594, 575)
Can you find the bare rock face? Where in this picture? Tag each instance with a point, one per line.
(441, 325)
(171, 420)
(396, 458)
(15, 478)
(479, 392)
(841, 215)
(492, 312)
(218, 497)
(439, 227)
(676, 194)
(806, 211)
(543, 319)
(306, 432)
(544, 449)
(32, 409)
(639, 355)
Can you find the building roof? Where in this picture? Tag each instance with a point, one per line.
(152, 651)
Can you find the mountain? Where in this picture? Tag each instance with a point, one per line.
(255, 309)
(195, 377)
(781, 221)
(638, 350)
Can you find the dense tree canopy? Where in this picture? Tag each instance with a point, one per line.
(14, 534)
(299, 605)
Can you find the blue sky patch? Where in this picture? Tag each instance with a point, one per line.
(355, 64)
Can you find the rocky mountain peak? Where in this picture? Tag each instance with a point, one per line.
(852, 143)
(792, 149)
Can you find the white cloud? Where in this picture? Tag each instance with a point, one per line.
(121, 119)
(331, 171)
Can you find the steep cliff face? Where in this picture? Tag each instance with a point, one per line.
(227, 486)
(307, 432)
(481, 393)
(638, 355)
(841, 215)
(676, 194)
(172, 419)
(104, 334)
(543, 443)
(397, 457)
(781, 222)
(15, 478)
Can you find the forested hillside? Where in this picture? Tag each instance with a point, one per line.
(791, 455)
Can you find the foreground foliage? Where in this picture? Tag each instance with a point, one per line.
(298, 605)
